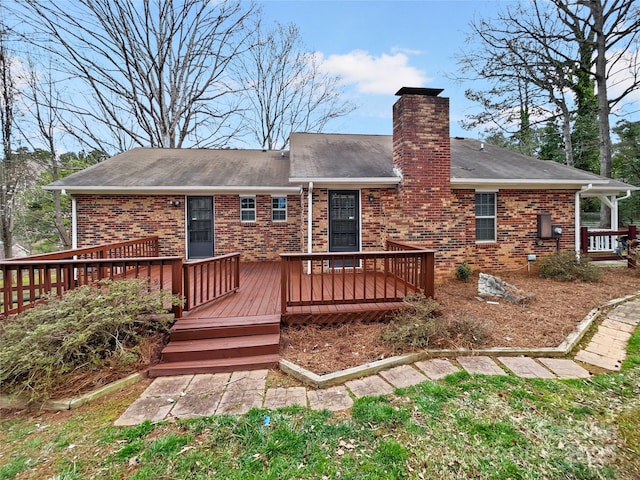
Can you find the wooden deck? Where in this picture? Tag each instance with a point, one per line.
(259, 294)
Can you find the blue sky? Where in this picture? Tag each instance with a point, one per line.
(380, 46)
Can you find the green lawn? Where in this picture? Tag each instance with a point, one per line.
(461, 427)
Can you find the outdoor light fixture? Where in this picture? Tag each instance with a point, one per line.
(371, 197)
(174, 203)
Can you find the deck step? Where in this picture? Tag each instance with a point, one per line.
(220, 365)
(200, 328)
(214, 348)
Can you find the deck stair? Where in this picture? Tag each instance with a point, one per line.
(224, 344)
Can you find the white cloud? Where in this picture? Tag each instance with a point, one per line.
(374, 75)
(623, 75)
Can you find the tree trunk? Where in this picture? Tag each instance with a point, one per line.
(603, 104)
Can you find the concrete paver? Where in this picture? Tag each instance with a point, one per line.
(153, 409)
(598, 360)
(196, 405)
(526, 367)
(615, 325)
(564, 368)
(248, 380)
(208, 383)
(238, 402)
(437, 368)
(403, 376)
(369, 386)
(167, 386)
(333, 399)
(481, 364)
(285, 397)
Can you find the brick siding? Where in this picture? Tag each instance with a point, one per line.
(110, 218)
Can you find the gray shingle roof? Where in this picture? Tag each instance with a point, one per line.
(329, 158)
(318, 156)
(157, 168)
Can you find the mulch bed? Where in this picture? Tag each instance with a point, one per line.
(545, 322)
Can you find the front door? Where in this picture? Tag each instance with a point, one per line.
(344, 222)
(200, 227)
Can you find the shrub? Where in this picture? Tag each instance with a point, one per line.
(468, 331)
(417, 325)
(420, 326)
(463, 272)
(83, 329)
(566, 267)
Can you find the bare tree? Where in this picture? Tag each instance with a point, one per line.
(615, 27)
(552, 46)
(285, 88)
(154, 73)
(43, 101)
(522, 49)
(13, 164)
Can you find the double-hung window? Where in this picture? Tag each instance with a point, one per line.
(279, 209)
(248, 209)
(486, 217)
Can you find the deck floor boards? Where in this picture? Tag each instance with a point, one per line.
(259, 293)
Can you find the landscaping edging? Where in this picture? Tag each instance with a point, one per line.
(335, 378)
(21, 403)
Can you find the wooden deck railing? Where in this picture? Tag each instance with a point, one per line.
(210, 279)
(140, 247)
(355, 277)
(25, 281)
(607, 244)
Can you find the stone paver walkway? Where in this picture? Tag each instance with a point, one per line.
(189, 396)
(608, 347)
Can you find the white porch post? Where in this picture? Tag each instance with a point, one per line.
(576, 228)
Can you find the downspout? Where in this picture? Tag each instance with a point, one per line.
(615, 212)
(74, 222)
(577, 218)
(309, 223)
(310, 218)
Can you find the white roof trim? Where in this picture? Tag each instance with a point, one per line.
(250, 190)
(348, 180)
(524, 183)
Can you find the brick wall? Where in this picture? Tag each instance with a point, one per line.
(425, 211)
(110, 218)
(259, 240)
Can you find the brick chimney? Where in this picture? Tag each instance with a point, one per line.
(422, 155)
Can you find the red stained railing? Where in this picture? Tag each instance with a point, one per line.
(355, 277)
(209, 279)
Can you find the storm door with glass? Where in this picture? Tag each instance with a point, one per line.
(200, 227)
(344, 223)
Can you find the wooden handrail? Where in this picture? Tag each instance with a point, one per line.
(209, 279)
(140, 247)
(25, 281)
(395, 246)
(354, 277)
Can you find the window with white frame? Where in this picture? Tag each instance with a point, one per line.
(279, 209)
(248, 209)
(486, 217)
